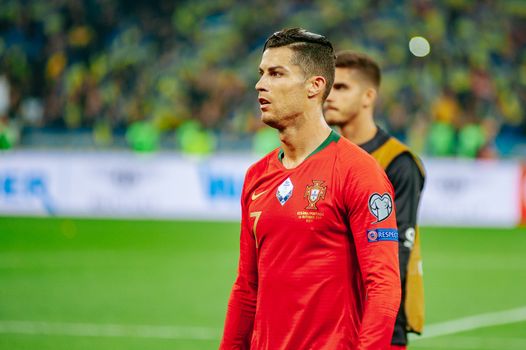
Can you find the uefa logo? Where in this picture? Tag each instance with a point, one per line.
(372, 236)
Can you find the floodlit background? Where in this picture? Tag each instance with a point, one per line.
(126, 128)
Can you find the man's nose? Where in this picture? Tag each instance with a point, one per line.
(330, 97)
(260, 85)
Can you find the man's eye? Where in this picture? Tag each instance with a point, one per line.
(276, 74)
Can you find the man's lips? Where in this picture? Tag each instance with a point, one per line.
(263, 103)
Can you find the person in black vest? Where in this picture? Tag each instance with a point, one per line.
(350, 107)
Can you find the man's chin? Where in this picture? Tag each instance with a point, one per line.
(334, 121)
(270, 120)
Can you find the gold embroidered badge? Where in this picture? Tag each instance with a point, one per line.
(314, 193)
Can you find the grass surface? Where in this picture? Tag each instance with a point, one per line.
(179, 274)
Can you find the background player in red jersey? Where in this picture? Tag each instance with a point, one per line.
(350, 106)
(318, 265)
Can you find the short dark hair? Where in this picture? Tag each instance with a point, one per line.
(312, 52)
(361, 62)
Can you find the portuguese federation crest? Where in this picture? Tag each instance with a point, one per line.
(314, 193)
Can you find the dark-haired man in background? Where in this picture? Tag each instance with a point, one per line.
(318, 266)
(350, 106)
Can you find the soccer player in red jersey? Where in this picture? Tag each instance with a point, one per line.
(350, 106)
(318, 266)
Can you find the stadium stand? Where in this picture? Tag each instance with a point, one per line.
(80, 73)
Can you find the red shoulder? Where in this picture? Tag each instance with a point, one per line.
(354, 156)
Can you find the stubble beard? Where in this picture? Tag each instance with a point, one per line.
(340, 119)
(271, 121)
(333, 119)
(278, 122)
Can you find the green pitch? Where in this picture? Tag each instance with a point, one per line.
(109, 284)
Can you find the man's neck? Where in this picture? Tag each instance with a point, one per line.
(298, 141)
(360, 130)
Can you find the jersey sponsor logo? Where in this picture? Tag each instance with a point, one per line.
(256, 196)
(284, 191)
(382, 234)
(381, 206)
(314, 193)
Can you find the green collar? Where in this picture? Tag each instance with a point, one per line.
(333, 137)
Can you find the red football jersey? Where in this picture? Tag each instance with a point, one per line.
(318, 265)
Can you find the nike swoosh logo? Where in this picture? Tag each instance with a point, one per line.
(256, 196)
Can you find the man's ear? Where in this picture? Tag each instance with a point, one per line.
(316, 86)
(369, 97)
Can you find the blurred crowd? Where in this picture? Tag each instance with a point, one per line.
(148, 70)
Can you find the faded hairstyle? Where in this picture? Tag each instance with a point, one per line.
(312, 52)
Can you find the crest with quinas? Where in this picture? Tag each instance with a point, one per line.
(314, 193)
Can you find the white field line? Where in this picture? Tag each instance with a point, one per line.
(473, 322)
(203, 333)
(476, 343)
(108, 330)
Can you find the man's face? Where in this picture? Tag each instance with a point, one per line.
(282, 87)
(346, 100)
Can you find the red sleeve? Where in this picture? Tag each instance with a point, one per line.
(373, 224)
(242, 304)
